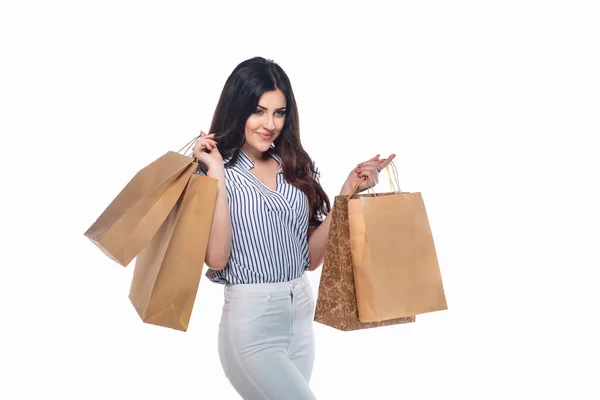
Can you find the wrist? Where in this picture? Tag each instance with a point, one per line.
(345, 190)
(215, 173)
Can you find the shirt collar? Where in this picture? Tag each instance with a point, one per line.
(245, 161)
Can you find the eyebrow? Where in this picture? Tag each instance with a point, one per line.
(265, 108)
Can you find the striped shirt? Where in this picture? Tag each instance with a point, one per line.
(269, 227)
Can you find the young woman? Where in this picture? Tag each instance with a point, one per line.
(269, 227)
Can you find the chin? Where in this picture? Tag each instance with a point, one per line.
(262, 147)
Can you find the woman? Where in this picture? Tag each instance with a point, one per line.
(269, 227)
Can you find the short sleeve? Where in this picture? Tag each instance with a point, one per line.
(317, 173)
(200, 170)
(319, 217)
(315, 224)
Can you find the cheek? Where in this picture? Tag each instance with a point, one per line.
(279, 123)
(252, 124)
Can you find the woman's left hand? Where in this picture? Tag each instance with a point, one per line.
(369, 169)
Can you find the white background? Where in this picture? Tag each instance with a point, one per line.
(491, 107)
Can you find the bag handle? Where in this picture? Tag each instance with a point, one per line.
(189, 146)
(395, 186)
(395, 183)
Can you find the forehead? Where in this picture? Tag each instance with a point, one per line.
(272, 99)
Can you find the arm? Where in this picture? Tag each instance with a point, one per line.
(317, 237)
(219, 243)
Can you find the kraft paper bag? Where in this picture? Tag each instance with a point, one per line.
(336, 299)
(396, 269)
(134, 216)
(167, 272)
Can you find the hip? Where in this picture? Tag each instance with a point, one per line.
(269, 308)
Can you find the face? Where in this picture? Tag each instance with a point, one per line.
(266, 123)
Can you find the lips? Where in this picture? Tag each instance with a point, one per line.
(265, 136)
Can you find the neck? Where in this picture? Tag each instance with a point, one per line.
(255, 155)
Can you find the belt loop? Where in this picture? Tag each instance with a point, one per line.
(271, 290)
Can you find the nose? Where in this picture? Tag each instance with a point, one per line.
(269, 123)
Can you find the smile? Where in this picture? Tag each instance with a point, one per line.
(265, 137)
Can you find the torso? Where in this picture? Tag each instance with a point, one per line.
(267, 173)
(269, 220)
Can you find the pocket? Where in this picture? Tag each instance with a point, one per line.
(308, 302)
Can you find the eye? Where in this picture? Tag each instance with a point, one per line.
(280, 113)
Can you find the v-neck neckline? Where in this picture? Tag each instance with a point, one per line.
(270, 196)
(263, 183)
(250, 164)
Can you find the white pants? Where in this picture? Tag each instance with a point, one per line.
(266, 341)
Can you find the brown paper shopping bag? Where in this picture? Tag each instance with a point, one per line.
(134, 216)
(396, 269)
(336, 299)
(167, 272)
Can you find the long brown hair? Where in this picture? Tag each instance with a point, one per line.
(239, 99)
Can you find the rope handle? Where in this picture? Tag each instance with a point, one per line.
(190, 145)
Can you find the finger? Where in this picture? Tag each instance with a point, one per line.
(384, 163)
(370, 160)
(371, 166)
(205, 141)
(368, 173)
(368, 164)
(200, 142)
(371, 179)
(366, 169)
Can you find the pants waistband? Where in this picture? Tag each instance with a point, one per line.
(269, 288)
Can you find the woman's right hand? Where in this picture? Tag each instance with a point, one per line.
(211, 160)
